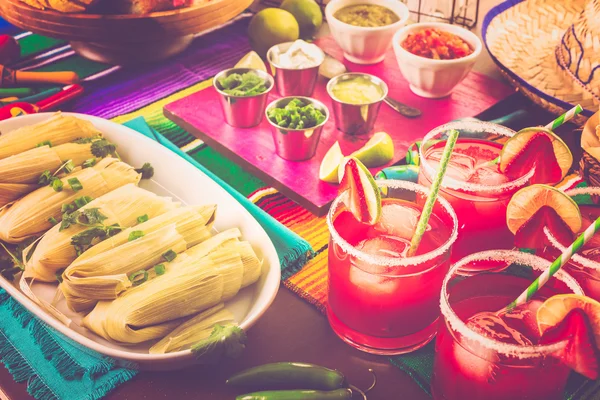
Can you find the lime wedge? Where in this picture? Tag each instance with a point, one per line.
(252, 60)
(540, 148)
(364, 197)
(575, 319)
(378, 151)
(538, 206)
(328, 171)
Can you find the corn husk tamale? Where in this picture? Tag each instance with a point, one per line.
(153, 309)
(122, 206)
(58, 129)
(10, 192)
(31, 215)
(22, 171)
(193, 330)
(102, 272)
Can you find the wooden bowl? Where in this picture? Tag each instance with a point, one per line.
(125, 39)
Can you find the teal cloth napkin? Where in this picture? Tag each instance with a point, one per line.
(53, 366)
(293, 251)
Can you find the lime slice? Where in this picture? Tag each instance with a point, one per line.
(536, 147)
(364, 197)
(556, 308)
(328, 171)
(574, 319)
(378, 151)
(252, 60)
(538, 206)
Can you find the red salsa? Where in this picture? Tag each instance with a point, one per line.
(436, 44)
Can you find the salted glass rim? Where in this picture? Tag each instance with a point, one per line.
(458, 325)
(474, 126)
(578, 258)
(394, 261)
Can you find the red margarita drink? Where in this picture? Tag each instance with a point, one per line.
(484, 352)
(381, 301)
(477, 190)
(585, 265)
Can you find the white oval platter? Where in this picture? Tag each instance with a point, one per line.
(177, 178)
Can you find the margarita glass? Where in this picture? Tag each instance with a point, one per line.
(477, 190)
(585, 265)
(482, 353)
(379, 300)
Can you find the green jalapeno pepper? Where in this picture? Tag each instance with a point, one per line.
(339, 394)
(287, 375)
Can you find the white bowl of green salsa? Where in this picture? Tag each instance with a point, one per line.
(364, 28)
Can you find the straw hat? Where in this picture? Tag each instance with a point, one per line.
(549, 49)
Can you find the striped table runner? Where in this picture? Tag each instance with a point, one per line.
(122, 94)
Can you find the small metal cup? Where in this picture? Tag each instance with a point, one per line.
(355, 119)
(243, 111)
(293, 82)
(296, 145)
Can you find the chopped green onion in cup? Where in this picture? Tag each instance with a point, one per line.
(296, 115)
(246, 84)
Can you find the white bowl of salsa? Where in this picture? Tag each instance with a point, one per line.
(364, 28)
(434, 57)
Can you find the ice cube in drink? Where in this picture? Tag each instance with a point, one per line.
(372, 299)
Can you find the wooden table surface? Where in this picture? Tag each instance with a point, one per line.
(291, 330)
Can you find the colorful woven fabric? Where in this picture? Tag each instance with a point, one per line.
(124, 95)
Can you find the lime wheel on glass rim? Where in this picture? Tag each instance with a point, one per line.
(575, 319)
(535, 207)
(538, 148)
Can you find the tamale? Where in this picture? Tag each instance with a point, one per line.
(56, 130)
(141, 313)
(122, 206)
(10, 192)
(193, 330)
(34, 214)
(101, 273)
(25, 168)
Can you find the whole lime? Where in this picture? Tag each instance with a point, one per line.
(272, 26)
(307, 13)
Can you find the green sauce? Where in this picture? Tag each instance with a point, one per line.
(367, 15)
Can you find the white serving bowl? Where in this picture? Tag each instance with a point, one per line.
(364, 45)
(434, 78)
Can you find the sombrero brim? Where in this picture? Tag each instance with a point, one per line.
(521, 37)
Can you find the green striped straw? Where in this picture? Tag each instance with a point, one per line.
(556, 265)
(435, 187)
(564, 118)
(552, 126)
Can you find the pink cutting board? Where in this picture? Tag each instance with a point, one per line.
(200, 114)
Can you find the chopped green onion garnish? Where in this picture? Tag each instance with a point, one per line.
(75, 184)
(56, 184)
(45, 178)
(52, 220)
(67, 208)
(90, 162)
(159, 269)
(135, 235)
(169, 255)
(82, 201)
(44, 143)
(68, 167)
(142, 218)
(137, 278)
(59, 275)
